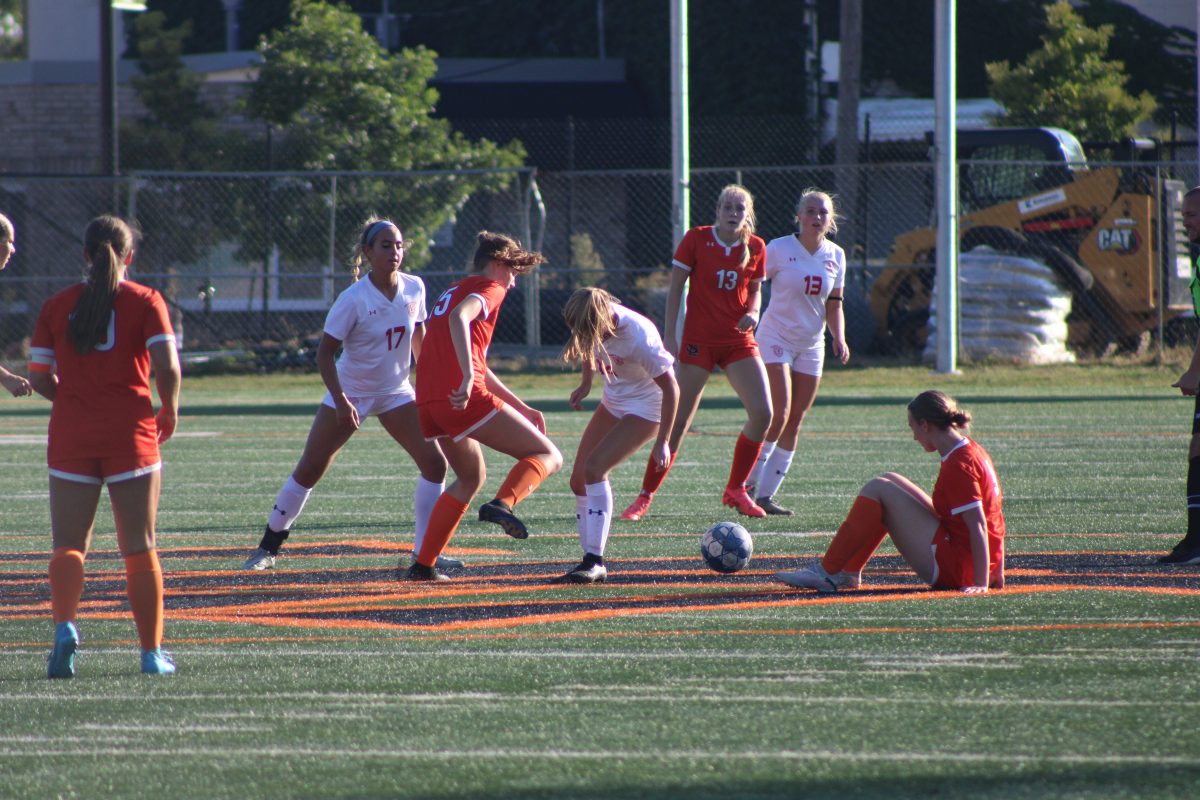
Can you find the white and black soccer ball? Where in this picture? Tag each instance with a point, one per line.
(726, 547)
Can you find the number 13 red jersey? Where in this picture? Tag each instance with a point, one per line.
(719, 287)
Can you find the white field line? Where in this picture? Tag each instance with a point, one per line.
(323, 754)
(612, 696)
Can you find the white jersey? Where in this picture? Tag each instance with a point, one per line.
(637, 357)
(376, 335)
(800, 285)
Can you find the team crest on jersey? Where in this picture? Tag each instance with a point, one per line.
(777, 351)
(617, 360)
(412, 309)
(831, 267)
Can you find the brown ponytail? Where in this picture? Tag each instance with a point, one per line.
(939, 409)
(106, 243)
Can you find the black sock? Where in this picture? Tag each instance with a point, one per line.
(271, 540)
(1193, 502)
(592, 558)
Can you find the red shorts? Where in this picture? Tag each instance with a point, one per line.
(955, 566)
(440, 419)
(110, 469)
(710, 356)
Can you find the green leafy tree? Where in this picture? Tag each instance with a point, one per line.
(12, 30)
(337, 100)
(1069, 82)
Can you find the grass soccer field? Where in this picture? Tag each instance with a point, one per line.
(327, 677)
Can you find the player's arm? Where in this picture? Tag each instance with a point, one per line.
(43, 380)
(679, 278)
(670, 406)
(977, 534)
(835, 320)
(327, 352)
(1189, 382)
(497, 387)
(460, 319)
(167, 378)
(14, 384)
(584, 387)
(418, 340)
(753, 306)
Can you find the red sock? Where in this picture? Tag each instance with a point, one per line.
(443, 521)
(857, 538)
(654, 477)
(144, 587)
(525, 476)
(745, 453)
(66, 583)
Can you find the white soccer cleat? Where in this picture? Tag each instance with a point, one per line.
(259, 560)
(815, 577)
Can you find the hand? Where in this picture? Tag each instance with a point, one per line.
(1187, 383)
(534, 416)
(460, 396)
(974, 590)
(16, 385)
(581, 391)
(165, 420)
(661, 454)
(748, 321)
(841, 350)
(347, 414)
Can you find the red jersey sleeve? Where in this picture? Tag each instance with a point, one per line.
(156, 326)
(685, 253)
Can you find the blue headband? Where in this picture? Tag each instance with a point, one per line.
(373, 231)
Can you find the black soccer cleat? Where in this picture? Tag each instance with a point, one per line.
(1181, 554)
(420, 572)
(498, 511)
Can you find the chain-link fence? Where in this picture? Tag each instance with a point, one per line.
(251, 262)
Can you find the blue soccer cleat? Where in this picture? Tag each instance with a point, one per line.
(61, 663)
(157, 662)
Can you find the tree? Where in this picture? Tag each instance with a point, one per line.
(339, 101)
(1070, 83)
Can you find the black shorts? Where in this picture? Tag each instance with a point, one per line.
(1196, 417)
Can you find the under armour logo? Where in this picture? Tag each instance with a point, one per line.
(599, 513)
(280, 510)
(372, 313)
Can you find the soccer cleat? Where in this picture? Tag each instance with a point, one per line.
(772, 508)
(586, 572)
(260, 559)
(1182, 553)
(498, 511)
(815, 577)
(61, 663)
(737, 498)
(420, 572)
(638, 508)
(443, 562)
(157, 662)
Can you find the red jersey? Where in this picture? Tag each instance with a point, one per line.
(719, 286)
(102, 406)
(967, 480)
(438, 373)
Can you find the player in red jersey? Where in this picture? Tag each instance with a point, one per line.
(463, 405)
(723, 265)
(954, 539)
(14, 384)
(91, 355)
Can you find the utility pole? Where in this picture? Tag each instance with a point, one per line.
(849, 88)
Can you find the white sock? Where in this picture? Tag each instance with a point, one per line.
(424, 498)
(757, 473)
(288, 505)
(777, 468)
(581, 507)
(599, 516)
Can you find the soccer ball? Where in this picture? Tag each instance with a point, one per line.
(726, 547)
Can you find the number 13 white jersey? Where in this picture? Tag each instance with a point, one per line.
(800, 285)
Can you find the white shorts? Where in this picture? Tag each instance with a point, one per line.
(809, 361)
(375, 405)
(646, 407)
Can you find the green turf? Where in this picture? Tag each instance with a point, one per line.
(328, 678)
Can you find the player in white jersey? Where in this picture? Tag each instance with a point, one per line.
(640, 400)
(807, 274)
(378, 323)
